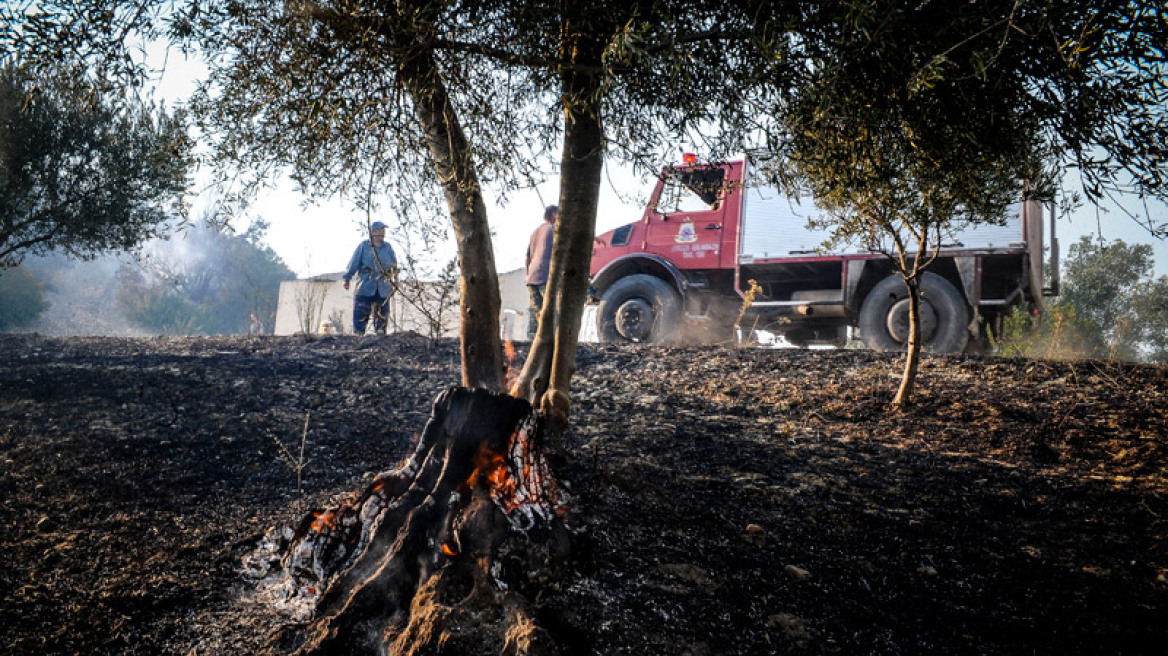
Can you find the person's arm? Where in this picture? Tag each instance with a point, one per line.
(548, 239)
(354, 264)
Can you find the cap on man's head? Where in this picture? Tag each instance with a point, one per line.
(377, 225)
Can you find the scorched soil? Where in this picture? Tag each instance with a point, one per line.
(724, 500)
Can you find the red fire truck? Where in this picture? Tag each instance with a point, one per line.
(711, 230)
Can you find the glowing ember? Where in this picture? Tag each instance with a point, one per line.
(323, 520)
(512, 373)
(520, 481)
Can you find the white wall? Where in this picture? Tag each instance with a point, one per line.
(320, 298)
(323, 297)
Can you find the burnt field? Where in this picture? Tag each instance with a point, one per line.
(724, 500)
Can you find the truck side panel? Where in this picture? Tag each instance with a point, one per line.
(776, 226)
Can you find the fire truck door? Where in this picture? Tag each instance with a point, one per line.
(686, 224)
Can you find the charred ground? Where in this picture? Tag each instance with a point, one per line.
(726, 501)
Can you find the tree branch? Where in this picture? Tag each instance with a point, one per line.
(508, 57)
(381, 27)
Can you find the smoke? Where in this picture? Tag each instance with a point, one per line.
(79, 295)
(202, 279)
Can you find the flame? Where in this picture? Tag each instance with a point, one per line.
(517, 478)
(510, 371)
(448, 551)
(491, 469)
(323, 520)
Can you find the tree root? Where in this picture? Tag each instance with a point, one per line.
(418, 563)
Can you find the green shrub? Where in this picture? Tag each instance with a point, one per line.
(159, 309)
(1061, 334)
(22, 298)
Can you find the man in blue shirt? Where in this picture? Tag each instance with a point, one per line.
(375, 266)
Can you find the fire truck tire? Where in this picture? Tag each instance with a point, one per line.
(639, 308)
(944, 316)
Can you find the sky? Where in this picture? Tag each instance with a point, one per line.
(316, 238)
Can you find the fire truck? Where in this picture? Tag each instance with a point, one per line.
(717, 247)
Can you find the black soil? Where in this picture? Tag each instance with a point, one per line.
(724, 500)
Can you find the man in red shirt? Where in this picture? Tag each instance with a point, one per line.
(539, 257)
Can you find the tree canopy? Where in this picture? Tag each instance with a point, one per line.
(1029, 88)
(1110, 285)
(81, 171)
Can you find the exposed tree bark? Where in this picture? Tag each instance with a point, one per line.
(547, 374)
(479, 300)
(912, 269)
(912, 358)
(419, 546)
(420, 551)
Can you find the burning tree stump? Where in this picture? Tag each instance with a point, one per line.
(418, 562)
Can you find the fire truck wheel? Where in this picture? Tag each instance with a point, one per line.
(944, 316)
(639, 308)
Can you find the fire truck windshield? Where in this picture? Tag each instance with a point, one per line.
(691, 190)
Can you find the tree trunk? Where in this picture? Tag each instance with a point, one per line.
(415, 564)
(912, 358)
(479, 300)
(547, 374)
(393, 569)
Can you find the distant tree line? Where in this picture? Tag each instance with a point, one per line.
(1110, 307)
(207, 281)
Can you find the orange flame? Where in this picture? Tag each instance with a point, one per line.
(511, 373)
(491, 469)
(448, 551)
(512, 489)
(322, 520)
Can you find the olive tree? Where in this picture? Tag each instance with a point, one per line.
(83, 171)
(451, 96)
(913, 119)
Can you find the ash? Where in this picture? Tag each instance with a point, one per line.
(726, 501)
